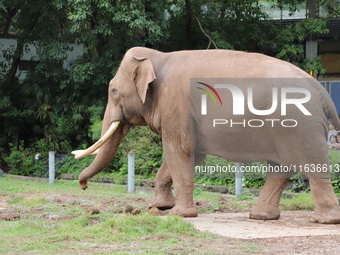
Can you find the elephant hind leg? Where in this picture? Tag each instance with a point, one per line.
(267, 206)
(163, 195)
(327, 209)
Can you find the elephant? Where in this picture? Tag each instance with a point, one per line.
(155, 89)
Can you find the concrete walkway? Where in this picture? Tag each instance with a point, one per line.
(238, 225)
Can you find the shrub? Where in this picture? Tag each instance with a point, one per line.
(69, 165)
(148, 153)
(298, 183)
(227, 178)
(29, 162)
(334, 158)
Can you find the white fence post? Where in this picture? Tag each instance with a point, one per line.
(238, 180)
(131, 172)
(51, 166)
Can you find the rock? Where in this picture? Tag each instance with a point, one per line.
(2, 173)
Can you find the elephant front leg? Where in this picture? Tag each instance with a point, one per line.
(327, 209)
(179, 167)
(163, 195)
(267, 206)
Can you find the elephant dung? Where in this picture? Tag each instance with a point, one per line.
(155, 211)
(93, 211)
(127, 209)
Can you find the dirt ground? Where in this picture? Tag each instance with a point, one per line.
(291, 234)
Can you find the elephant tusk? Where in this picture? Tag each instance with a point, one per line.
(76, 152)
(82, 153)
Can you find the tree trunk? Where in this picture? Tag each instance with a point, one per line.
(7, 20)
(188, 19)
(15, 63)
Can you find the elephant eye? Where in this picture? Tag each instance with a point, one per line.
(114, 93)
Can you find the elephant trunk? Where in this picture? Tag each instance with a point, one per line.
(104, 156)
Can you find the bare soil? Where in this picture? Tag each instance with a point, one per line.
(291, 234)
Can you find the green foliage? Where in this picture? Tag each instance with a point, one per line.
(141, 140)
(298, 183)
(216, 178)
(246, 196)
(336, 185)
(12, 113)
(290, 42)
(23, 160)
(148, 152)
(254, 183)
(59, 99)
(197, 191)
(70, 165)
(291, 39)
(96, 130)
(63, 101)
(250, 179)
(334, 158)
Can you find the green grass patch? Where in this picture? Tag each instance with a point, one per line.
(303, 201)
(55, 218)
(15, 200)
(206, 195)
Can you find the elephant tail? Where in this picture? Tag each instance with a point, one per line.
(330, 110)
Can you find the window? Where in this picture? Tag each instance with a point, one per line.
(329, 50)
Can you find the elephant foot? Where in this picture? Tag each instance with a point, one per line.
(162, 203)
(184, 211)
(331, 216)
(264, 212)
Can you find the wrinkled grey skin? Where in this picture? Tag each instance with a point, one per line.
(152, 88)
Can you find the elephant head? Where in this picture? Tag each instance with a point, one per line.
(127, 106)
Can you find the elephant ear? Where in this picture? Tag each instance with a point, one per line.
(144, 74)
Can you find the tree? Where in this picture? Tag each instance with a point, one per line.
(60, 104)
(289, 42)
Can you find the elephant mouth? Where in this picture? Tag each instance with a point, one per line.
(95, 147)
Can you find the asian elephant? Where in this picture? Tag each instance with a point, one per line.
(153, 88)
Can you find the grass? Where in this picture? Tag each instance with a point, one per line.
(54, 219)
(302, 201)
(117, 232)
